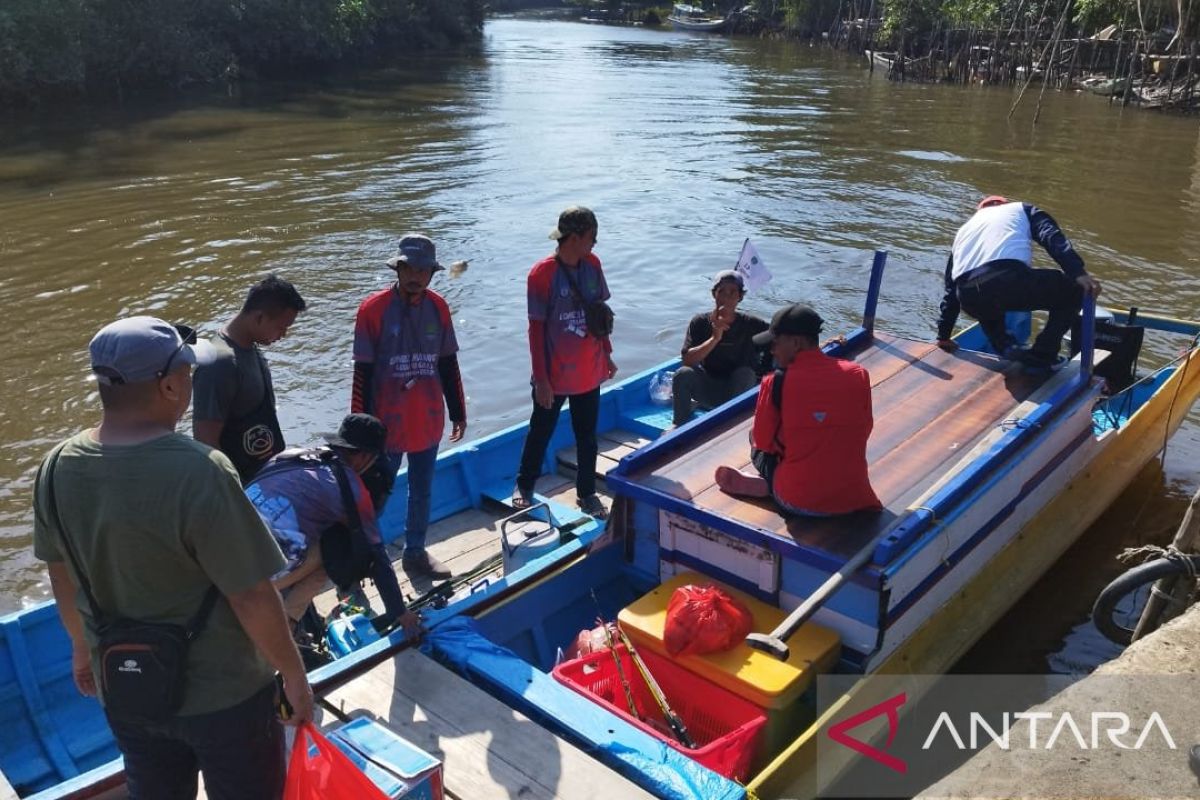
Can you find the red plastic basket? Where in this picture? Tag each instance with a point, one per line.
(726, 728)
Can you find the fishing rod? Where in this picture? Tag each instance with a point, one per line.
(612, 648)
(673, 720)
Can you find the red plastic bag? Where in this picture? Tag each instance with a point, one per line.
(704, 619)
(590, 641)
(327, 775)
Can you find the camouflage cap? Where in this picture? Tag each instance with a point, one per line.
(575, 219)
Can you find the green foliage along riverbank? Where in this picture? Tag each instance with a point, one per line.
(52, 49)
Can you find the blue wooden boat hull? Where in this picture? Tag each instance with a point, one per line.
(55, 744)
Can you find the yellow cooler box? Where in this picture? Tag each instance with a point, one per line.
(773, 685)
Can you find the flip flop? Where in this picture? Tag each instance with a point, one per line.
(521, 499)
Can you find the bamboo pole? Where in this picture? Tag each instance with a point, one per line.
(1048, 65)
(1137, 44)
(1170, 595)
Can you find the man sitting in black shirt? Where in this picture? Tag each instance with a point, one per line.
(719, 360)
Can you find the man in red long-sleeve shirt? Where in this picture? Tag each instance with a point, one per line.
(569, 360)
(405, 362)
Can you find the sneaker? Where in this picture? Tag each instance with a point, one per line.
(423, 564)
(593, 507)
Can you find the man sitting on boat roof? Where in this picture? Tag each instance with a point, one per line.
(719, 360)
(990, 271)
(809, 441)
(323, 519)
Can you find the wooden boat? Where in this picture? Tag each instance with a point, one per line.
(987, 474)
(879, 60)
(56, 744)
(693, 18)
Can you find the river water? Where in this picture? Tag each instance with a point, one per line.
(683, 144)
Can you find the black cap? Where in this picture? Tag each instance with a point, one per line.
(796, 320)
(728, 275)
(575, 219)
(359, 432)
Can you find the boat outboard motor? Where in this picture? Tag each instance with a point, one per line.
(1123, 343)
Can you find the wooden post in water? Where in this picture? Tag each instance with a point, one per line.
(1169, 594)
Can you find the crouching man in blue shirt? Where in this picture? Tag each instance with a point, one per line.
(322, 517)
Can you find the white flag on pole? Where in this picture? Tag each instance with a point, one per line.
(752, 269)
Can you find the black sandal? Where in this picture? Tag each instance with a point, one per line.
(522, 499)
(593, 507)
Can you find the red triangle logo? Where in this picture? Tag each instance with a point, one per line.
(839, 732)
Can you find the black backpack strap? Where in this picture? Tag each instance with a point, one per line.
(777, 401)
(355, 522)
(80, 575)
(566, 271)
(299, 460)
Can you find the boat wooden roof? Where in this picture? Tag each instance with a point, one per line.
(930, 408)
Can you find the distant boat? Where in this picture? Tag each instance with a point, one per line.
(883, 61)
(694, 18)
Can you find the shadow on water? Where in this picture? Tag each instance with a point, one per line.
(102, 140)
(1049, 630)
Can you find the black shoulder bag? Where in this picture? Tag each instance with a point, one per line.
(597, 315)
(143, 665)
(345, 552)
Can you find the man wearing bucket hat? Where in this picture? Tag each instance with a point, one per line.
(571, 354)
(321, 515)
(811, 424)
(719, 359)
(149, 523)
(990, 272)
(405, 363)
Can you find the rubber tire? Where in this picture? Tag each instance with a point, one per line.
(1125, 584)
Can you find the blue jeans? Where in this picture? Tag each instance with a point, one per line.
(239, 749)
(420, 490)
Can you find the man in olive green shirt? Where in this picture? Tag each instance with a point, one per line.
(155, 519)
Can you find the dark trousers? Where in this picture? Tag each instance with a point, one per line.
(692, 386)
(239, 749)
(986, 294)
(585, 414)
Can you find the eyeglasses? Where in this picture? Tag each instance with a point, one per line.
(188, 336)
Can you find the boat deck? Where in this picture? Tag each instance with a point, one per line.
(930, 408)
(471, 538)
(489, 750)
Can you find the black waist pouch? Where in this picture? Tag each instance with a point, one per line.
(142, 664)
(143, 667)
(599, 319)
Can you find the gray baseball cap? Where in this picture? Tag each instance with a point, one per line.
(138, 349)
(416, 251)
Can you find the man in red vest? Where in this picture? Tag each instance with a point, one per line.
(810, 432)
(405, 366)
